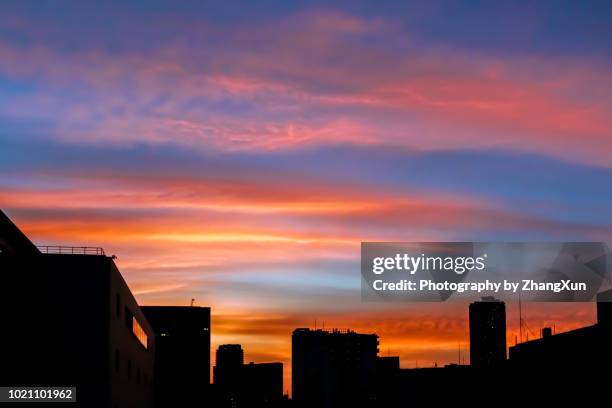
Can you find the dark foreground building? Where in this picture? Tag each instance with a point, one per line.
(69, 319)
(570, 363)
(580, 350)
(182, 357)
(488, 333)
(333, 368)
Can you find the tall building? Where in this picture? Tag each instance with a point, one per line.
(228, 363)
(488, 333)
(182, 357)
(69, 319)
(333, 368)
(227, 372)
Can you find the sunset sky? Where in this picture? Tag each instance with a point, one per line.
(239, 153)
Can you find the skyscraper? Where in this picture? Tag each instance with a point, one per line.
(488, 333)
(333, 368)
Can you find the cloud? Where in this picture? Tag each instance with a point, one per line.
(329, 78)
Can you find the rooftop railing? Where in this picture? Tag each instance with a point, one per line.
(71, 250)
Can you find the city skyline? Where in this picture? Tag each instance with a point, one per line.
(238, 155)
(158, 351)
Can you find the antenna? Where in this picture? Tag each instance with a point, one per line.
(459, 352)
(523, 323)
(520, 319)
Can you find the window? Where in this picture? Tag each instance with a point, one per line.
(128, 318)
(136, 328)
(139, 332)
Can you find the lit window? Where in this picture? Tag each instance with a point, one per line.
(139, 332)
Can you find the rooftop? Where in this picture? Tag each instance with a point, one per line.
(71, 250)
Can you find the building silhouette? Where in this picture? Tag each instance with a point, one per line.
(574, 362)
(182, 356)
(13, 241)
(487, 333)
(262, 384)
(579, 350)
(69, 319)
(604, 308)
(228, 362)
(246, 385)
(227, 372)
(333, 368)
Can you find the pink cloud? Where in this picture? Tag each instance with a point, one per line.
(316, 85)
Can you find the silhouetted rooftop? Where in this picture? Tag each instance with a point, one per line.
(304, 330)
(12, 239)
